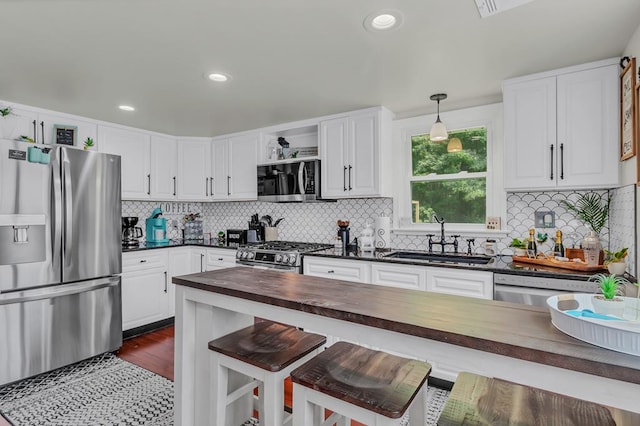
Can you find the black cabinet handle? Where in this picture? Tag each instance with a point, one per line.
(143, 261)
(149, 182)
(201, 259)
(35, 132)
(206, 188)
(211, 185)
(42, 127)
(344, 178)
(350, 177)
(220, 259)
(228, 185)
(165, 281)
(331, 271)
(174, 185)
(561, 161)
(551, 177)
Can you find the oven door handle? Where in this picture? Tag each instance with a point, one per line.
(302, 179)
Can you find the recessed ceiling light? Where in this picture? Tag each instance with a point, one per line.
(383, 20)
(218, 77)
(126, 108)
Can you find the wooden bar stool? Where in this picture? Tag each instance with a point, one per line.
(372, 387)
(477, 400)
(266, 352)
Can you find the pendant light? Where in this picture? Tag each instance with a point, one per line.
(454, 145)
(438, 132)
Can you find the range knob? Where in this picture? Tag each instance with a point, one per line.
(292, 259)
(285, 258)
(278, 258)
(244, 254)
(251, 255)
(238, 254)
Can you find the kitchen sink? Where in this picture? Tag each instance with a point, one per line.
(438, 257)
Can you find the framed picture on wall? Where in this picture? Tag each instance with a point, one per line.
(627, 109)
(65, 135)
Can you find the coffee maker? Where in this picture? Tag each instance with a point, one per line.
(130, 232)
(156, 228)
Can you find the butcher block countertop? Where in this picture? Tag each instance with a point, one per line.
(513, 330)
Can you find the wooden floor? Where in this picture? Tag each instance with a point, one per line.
(152, 351)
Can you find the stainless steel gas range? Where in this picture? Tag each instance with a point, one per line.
(282, 255)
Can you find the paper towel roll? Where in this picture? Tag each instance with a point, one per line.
(383, 232)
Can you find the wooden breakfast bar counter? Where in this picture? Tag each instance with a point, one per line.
(495, 339)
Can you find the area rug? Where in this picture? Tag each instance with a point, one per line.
(104, 390)
(107, 390)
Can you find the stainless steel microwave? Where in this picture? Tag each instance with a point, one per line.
(295, 180)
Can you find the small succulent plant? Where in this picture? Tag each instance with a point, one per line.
(610, 285)
(5, 111)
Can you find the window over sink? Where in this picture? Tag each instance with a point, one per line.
(462, 186)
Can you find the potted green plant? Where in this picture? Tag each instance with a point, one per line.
(519, 247)
(593, 210)
(610, 287)
(88, 143)
(616, 262)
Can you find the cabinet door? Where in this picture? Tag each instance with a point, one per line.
(19, 123)
(337, 269)
(84, 129)
(530, 146)
(363, 167)
(179, 264)
(413, 277)
(588, 135)
(333, 153)
(194, 169)
(220, 165)
(133, 148)
(144, 297)
(243, 167)
(198, 260)
(460, 283)
(163, 168)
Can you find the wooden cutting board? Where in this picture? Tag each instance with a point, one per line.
(575, 266)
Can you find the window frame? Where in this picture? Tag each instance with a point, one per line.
(489, 116)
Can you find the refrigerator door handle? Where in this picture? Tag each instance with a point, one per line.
(57, 291)
(56, 222)
(68, 214)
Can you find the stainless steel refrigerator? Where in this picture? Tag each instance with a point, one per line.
(60, 253)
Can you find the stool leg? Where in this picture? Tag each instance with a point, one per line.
(272, 400)
(304, 412)
(417, 408)
(219, 376)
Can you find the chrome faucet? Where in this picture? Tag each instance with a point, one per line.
(443, 241)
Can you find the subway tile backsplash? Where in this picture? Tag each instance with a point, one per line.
(316, 222)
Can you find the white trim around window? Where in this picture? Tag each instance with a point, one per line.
(489, 116)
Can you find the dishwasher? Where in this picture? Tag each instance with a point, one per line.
(533, 290)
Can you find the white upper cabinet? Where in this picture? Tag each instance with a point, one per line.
(41, 126)
(194, 169)
(133, 148)
(164, 168)
(561, 129)
(351, 149)
(234, 161)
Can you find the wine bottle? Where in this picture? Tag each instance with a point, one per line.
(558, 248)
(532, 248)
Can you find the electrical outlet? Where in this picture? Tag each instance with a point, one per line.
(493, 222)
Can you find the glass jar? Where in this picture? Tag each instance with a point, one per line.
(591, 248)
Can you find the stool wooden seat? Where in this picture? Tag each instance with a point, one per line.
(354, 382)
(266, 352)
(478, 400)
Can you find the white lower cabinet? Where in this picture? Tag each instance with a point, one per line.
(179, 264)
(145, 288)
(337, 269)
(460, 282)
(405, 276)
(219, 258)
(198, 259)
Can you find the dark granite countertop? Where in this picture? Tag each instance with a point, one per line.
(498, 264)
(175, 243)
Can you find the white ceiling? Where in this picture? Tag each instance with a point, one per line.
(289, 59)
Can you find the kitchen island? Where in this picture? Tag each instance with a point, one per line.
(495, 339)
